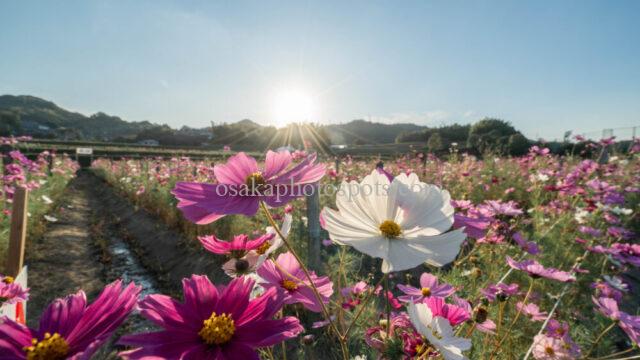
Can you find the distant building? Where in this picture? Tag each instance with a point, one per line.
(149, 142)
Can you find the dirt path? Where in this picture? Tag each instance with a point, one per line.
(100, 237)
(64, 260)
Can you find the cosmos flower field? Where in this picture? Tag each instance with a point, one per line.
(422, 258)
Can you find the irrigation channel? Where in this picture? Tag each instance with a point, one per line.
(96, 237)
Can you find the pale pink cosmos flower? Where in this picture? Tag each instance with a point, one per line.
(242, 186)
(429, 286)
(550, 348)
(532, 311)
(535, 270)
(285, 273)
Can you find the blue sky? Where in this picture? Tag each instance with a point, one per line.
(546, 66)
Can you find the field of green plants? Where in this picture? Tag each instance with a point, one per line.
(498, 258)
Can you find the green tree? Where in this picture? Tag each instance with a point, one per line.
(518, 145)
(10, 123)
(435, 143)
(490, 134)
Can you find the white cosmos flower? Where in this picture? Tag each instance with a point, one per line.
(438, 332)
(277, 240)
(402, 222)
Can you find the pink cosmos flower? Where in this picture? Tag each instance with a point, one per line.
(242, 186)
(535, 269)
(603, 289)
(473, 227)
(529, 246)
(376, 336)
(11, 292)
(69, 329)
(285, 273)
(532, 311)
(211, 323)
(235, 248)
(245, 265)
(429, 286)
(499, 291)
(352, 294)
(550, 348)
(497, 207)
(455, 314)
(480, 315)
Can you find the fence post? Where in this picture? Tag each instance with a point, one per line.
(18, 234)
(313, 223)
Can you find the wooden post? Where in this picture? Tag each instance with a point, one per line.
(313, 223)
(18, 235)
(337, 165)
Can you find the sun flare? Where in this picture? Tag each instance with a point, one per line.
(293, 106)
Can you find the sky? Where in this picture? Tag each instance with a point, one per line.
(545, 66)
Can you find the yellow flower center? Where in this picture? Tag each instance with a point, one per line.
(218, 329)
(426, 291)
(390, 229)
(52, 347)
(254, 180)
(421, 349)
(289, 285)
(549, 350)
(263, 248)
(8, 280)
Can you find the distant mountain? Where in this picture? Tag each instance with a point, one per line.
(366, 132)
(41, 118)
(30, 115)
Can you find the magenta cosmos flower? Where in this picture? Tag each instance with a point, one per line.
(429, 286)
(242, 185)
(535, 270)
(211, 323)
(11, 292)
(69, 329)
(236, 248)
(454, 313)
(285, 273)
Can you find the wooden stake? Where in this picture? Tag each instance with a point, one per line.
(18, 235)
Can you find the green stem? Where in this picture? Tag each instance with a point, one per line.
(597, 340)
(386, 295)
(362, 307)
(515, 319)
(332, 326)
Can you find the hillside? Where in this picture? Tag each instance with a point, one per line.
(365, 132)
(42, 118)
(30, 115)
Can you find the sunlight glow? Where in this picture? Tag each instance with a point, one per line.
(293, 106)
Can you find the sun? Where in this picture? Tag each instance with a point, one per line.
(293, 106)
